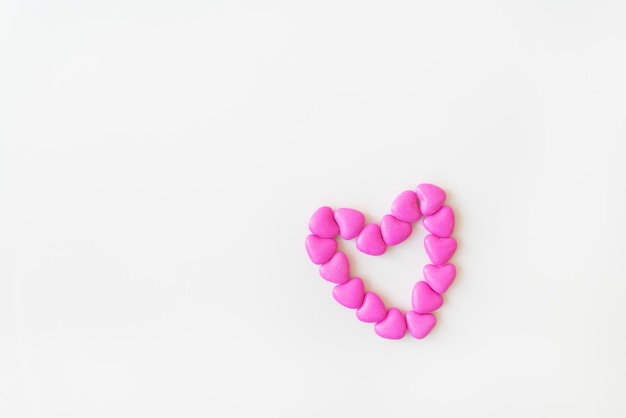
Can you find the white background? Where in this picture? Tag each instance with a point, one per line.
(159, 162)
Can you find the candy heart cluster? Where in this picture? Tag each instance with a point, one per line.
(428, 201)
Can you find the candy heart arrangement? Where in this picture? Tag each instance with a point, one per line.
(373, 239)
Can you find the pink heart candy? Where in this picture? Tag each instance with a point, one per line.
(370, 240)
(320, 250)
(431, 198)
(350, 294)
(393, 230)
(373, 239)
(337, 269)
(439, 278)
(439, 250)
(350, 222)
(405, 207)
(373, 308)
(440, 223)
(420, 325)
(424, 299)
(322, 223)
(393, 326)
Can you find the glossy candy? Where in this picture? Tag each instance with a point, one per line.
(373, 239)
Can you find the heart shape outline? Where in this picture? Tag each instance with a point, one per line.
(407, 208)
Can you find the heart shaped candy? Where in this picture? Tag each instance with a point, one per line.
(439, 250)
(393, 230)
(431, 198)
(405, 207)
(373, 308)
(337, 269)
(439, 278)
(350, 222)
(323, 223)
(373, 239)
(420, 325)
(393, 326)
(424, 299)
(350, 294)
(440, 223)
(370, 240)
(320, 250)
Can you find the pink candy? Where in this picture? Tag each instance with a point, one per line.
(394, 231)
(440, 223)
(350, 294)
(439, 278)
(350, 222)
(373, 308)
(439, 250)
(420, 325)
(393, 326)
(430, 197)
(424, 299)
(323, 223)
(372, 239)
(405, 207)
(320, 250)
(337, 269)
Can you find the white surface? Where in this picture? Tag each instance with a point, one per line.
(159, 163)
